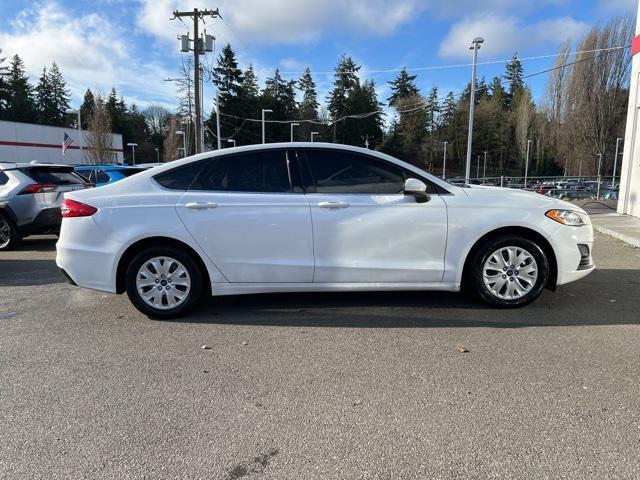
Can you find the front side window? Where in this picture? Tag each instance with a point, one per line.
(264, 172)
(335, 171)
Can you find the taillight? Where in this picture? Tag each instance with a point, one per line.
(71, 208)
(37, 188)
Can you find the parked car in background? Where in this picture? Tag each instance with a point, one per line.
(542, 188)
(102, 175)
(30, 199)
(609, 195)
(569, 195)
(302, 217)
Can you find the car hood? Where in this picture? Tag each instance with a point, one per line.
(511, 198)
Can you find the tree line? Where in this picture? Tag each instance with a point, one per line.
(580, 115)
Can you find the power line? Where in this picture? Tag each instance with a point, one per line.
(422, 104)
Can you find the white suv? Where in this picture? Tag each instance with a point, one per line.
(301, 217)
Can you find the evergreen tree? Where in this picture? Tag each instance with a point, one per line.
(250, 87)
(432, 110)
(402, 86)
(60, 96)
(226, 75)
(86, 109)
(362, 99)
(514, 74)
(21, 106)
(345, 80)
(44, 99)
(309, 103)
(4, 89)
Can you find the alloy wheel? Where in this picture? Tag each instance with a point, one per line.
(163, 283)
(510, 272)
(5, 232)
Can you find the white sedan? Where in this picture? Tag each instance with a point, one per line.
(302, 217)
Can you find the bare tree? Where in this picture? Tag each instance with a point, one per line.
(157, 117)
(524, 116)
(587, 96)
(98, 140)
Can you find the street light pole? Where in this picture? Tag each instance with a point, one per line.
(157, 155)
(133, 151)
(472, 103)
(184, 142)
(293, 125)
(484, 168)
(526, 164)
(231, 140)
(264, 137)
(478, 168)
(444, 160)
(599, 166)
(313, 134)
(615, 163)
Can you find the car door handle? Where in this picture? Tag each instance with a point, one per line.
(333, 204)
(201, 205)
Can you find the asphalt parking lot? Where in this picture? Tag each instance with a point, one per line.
(301, 386)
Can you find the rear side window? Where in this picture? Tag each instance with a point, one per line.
(54, 176)
(180, 178)
(127, 172)
(101, 177)
(262, 172)
(3, 178)
(335, 171)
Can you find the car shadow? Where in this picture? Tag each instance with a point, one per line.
(606, 297)
(28, 273)
(38, 243)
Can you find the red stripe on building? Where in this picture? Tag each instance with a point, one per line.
(50, 145)
(635, 45)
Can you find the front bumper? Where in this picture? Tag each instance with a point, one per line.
(573, 248)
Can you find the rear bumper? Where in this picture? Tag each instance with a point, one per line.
(48, 220)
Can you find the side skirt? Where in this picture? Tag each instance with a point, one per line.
(219, 289)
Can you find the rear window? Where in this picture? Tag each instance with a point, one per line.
(54, 176)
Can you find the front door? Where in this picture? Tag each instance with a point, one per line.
(365, 229)
(251, 219)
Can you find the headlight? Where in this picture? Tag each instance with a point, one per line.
(567, 217)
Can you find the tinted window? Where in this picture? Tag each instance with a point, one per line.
(180, 178)
(54, 176)
(246, 172)
(344, 172)
(101, 177)
(127, 172)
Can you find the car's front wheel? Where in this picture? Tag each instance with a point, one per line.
(509, 271)
(164, 282)
(9, 237)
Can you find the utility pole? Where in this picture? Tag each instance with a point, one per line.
(472, 103)
(444, 159)
(264, 136)
(218, 118)
(366, 141)
(200, 46)
(599, 166)
(478, 168)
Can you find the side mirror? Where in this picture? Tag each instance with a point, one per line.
(417, 189)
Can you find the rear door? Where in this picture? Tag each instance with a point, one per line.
(248, 213)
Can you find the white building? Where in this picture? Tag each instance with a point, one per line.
(26, 142)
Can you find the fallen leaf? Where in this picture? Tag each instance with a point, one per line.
(462, 350)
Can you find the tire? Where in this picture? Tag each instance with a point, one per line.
(184, 288)
(499, 285)
(9, 236)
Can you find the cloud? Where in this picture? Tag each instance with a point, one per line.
(90, 50)
(285, 21)
(505, 35)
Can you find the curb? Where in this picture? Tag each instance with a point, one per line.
(634, 242)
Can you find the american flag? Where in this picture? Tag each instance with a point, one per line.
(66, 143)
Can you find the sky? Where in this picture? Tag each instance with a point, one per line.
(131, 44)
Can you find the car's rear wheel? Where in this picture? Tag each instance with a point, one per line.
(9, 237)
(509, 271)
(164, 282)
